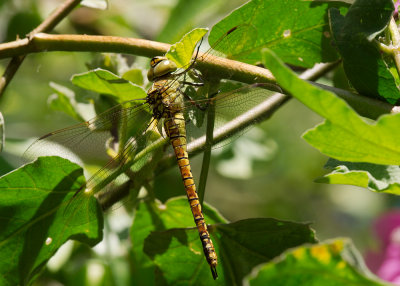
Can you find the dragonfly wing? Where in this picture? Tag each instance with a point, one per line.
(85, 140)
(110, 140)
(235, 111)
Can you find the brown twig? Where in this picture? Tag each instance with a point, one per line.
(86, 43)
(82, 43)
(47, 25)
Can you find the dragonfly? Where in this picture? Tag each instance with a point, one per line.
(170, 108)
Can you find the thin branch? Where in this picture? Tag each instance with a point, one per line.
(10, 71)
(82, 43)
(46, 26)
(54, 18)
(85, 43)
(212, 90)
(108, 199)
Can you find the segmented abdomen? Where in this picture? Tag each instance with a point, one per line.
(175, 127)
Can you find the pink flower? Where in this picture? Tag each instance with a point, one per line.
(386, 262)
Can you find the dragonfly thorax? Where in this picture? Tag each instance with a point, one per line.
(159, 67)
(165, 98)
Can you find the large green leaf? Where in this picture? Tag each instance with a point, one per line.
(362, 60)
(378, 178)
(332, 263)
(34, 221)
(297, 31)
(344, 135)
(105, 82)
(177, 253)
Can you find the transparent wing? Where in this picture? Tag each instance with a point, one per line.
(96, 142)
(85, 141)
(235, 112)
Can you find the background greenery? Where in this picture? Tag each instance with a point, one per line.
(274, 180)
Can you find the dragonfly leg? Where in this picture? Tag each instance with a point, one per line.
(194, 75)
(197, 84)
(193, 102)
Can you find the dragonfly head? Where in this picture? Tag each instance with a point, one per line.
(160, 66)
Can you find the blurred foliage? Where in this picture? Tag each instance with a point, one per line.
(277, 184)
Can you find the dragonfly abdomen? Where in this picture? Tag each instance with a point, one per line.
(167, 102)
(175, 127)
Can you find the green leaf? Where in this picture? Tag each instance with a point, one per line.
(96, 4)
(134, 75)
(377, 178)
(362, 60)
(182, 52)
(154, 216)
(105, 82)
(2, 132)
(64, 100)
(178, 253)
(332, 263)
(33, 218)
(365, 17)
(299, 35)
(344, 135)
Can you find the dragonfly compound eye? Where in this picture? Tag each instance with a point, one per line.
(156, 60)
(160, 66)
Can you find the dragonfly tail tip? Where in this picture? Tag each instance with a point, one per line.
(214, 272)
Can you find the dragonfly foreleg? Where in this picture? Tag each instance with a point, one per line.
(198, 84)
